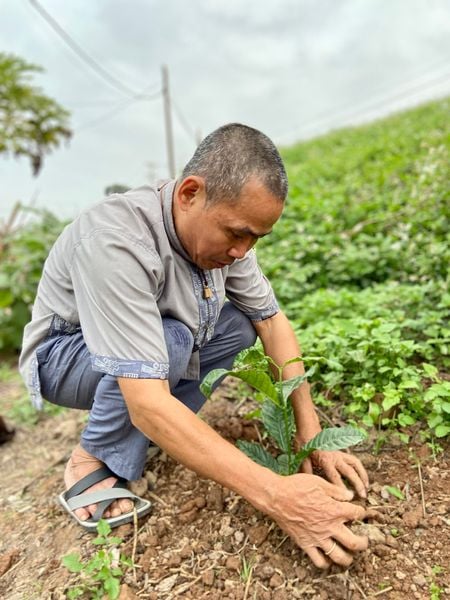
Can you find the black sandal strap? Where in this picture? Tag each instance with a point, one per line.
(88, 481)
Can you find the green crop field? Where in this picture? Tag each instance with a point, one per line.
(360, 260)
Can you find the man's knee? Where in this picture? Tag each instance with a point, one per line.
(241, 326)
(179, 343)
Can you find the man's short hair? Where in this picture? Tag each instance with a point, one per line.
(233, 154)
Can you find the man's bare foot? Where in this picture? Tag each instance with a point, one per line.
(80, 464)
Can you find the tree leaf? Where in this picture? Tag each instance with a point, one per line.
(258, 454)
(335, 438)
(254, 377)
(273, 418)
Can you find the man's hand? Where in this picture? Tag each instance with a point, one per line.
(314, 512)
(336, 465)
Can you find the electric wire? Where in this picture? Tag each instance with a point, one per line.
(383, 103)
(82, 54)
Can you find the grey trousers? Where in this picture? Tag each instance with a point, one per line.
(67, 379)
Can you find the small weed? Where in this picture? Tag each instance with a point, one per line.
(395, 491)
(247, 569)
(100, 574)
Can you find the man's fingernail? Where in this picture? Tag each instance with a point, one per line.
(363, 493)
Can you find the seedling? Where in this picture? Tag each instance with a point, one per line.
(395, 491)
(101, 574)
(277, 414)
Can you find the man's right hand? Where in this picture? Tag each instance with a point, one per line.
(314, 512)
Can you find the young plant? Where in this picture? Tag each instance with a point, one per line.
(277, 414)
(101, 574)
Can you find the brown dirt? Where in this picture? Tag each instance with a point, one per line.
(200, 536)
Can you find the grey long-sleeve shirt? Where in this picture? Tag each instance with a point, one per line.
(116, 271)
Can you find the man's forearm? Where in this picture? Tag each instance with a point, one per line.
(189, 440)
(280, 343)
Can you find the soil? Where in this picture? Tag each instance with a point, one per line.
(203, 541)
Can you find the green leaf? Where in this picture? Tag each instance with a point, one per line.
(335, 438)
(6, 298)
(72, 562)
(430, 370)
(442, 430)
(394, 491)
(258, 454)
(103, 528)
(289, 385)
(273, 418)
(256, 378)
(112, 588)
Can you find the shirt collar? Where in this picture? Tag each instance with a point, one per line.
(166, 190)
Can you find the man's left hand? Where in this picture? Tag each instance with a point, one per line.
(337, 465)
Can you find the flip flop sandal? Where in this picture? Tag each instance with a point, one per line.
(74, 498)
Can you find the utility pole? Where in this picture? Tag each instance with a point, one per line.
(168, 122)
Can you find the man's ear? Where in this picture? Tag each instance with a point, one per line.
(190, 191)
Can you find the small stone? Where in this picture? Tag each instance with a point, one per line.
(151, 478)
(258, 534)
(174, 561)
(126, 593)
(208, 577)
(167, 584)
(214, 499)
(186, 551)
(400, 575)
(7, 560)
(419, 580)
(391, 541)
(147, 558)
(301, 573)
(233, 563)
(151, 540)
(381, 550)
(412, 518)
(187, 506)
(266, 572)
(239, 537)
(188, 517)
(276, 580)
(139, 487)
(371, 531)
(200, 501)
(124, 530)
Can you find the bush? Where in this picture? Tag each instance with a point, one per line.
(23, 250)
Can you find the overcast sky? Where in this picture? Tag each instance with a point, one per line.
(292, 68)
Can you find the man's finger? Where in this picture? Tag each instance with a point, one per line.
(337, 492)
(352, 512)
(336, 553)
(306, 466)
(350, 473)
(349, 540)
(359, 468)
(317, 557)
(333, 475)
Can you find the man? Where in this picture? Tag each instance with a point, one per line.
(130, 315)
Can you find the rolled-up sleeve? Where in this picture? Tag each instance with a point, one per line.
(115, 282)
(249, 289)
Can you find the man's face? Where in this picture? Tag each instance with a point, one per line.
(215, 236)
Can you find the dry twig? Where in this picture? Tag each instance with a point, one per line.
(424, 510)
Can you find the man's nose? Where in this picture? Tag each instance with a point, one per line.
(238, 251)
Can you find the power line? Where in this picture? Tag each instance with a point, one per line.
(82, 54)
(382, 102)
(117, 109)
